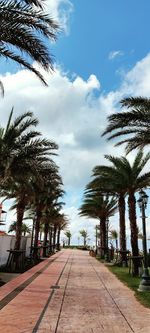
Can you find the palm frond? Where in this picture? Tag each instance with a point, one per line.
(135, 124)
(23, 26)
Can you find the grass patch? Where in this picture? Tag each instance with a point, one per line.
(100, 259)
(132, 282)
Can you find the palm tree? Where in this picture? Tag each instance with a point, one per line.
(25, 229)
(96, 205)
(135, 179)
(62, 224)
(45, 202)
(114, 236)
(134, 123)
(84, 234)
(23, 26)
(68, 235)
(12, 139)
(132, 180)
(19, 147)
(48, 195)
(109, 179)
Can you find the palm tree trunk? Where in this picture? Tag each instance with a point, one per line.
(20, 213)
(40, 235)
(134, 230)
(58, 239)
(46, 225)
(122, 227)
(50, 239)
(116, 244)
(54, 237)
(103, 237)
(36, 237)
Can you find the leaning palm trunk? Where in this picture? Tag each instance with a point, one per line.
(20, 213)
(134, 230)
(46, 225)
(122, 228)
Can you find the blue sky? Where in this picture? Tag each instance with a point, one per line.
(98, 27)
(101, 56)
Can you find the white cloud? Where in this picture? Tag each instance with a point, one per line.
(71, 114)
(61, 11)
(115, 54)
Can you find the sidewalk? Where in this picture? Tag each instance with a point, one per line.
(70, 293)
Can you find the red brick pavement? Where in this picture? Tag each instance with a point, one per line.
(89, 300)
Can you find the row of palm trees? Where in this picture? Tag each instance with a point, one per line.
(30, 176)
(82, 232)
(112, 184)
(27, 170)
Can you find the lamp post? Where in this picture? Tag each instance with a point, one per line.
(107, 249)
(145, 282)
(3, 215)
(96, 238)
(32, 235)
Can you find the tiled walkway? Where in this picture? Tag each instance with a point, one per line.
(70, 293)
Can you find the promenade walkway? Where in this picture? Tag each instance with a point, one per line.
(70, 292)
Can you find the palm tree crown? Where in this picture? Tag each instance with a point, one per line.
(22, 27)
(135, 123)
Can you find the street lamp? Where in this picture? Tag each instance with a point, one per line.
(145, 282)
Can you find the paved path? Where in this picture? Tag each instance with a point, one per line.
(70, 293)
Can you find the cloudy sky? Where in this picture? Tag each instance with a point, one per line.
(102, 55)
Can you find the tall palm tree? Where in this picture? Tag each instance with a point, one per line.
(45, 200)
(51, 194)
(135, 179)
(62, 225)
(68, 235)
(19, 147)
(123, 178)
(12, 138)
(96, 205)
(114, 236)
(133, 124)
(84, 234)
(23, 27)
(25, 229)
(109, 179)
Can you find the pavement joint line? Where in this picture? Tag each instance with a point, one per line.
(9, 297)
(64, 294)
(36, 327)
(112, 297)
